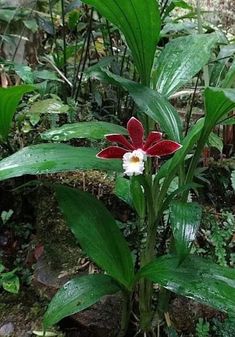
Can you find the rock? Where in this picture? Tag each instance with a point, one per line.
(7, 329)
(47, 279)
(184, 313)
(103, 318)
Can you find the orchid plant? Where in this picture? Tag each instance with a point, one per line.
(145, 185)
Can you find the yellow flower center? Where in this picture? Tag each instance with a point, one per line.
(135, 159)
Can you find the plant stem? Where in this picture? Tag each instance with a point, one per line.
(64, 38)
(193, 164)
(200, 31)
(89, 34)
(110, 37)
(189, 114)
(126, 312)
(147, 255)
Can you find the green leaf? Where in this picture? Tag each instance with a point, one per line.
(180, 155)
(31, 25)
(173, 27)
(219, 102)
(196, 278)
(215, 141)
(73, 19)
(228, 121)
(97, 233)
(75, 4)
(172, 72)
(233, 179)
(182, 4)
(46, 106)
(49, 106)
(122, 190)
(2, 268)
(11, 283)
(91, 130)
(52, 158)
(7, 14)
(138, 196)
(9, 100)
(185, 220)
(6, 215)
(77, 295)
(229, 80)
(25, 73)
(140, 23)
(149, 101)
(46, 75)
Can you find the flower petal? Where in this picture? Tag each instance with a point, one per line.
(153, 137)
(112, 152)
(133, 162)
(120, 139)
(136, 132)
(163, 148)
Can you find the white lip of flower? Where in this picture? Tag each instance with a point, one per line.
(133, 162)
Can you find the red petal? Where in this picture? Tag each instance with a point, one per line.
(136, 132)
(120, 140)
(112, 152)
(163, 148)
(153, 137)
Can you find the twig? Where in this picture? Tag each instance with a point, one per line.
(58, 70)
(89, 31)
(189, 114)
(64, 39)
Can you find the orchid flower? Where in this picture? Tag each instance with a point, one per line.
(135, 151)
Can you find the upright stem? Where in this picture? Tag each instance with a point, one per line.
(147, 255)
(64, 38)
(200, 31)
(88, 39)
(126, 312)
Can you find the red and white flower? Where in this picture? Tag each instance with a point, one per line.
(135, 151)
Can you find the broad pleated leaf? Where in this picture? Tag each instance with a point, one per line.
(229, 80)
(182, 59)
(97, 233)
(218, 103)
(90, 130)
(9, 100)
(215, 141)
(185, 219)
(228, 121)
(52, 158)
(77, 295)
(187, 144)
(138, 196)
(149, 101)
(140, 23)
(196, 278)
(122, 190)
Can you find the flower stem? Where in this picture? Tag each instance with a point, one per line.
(146, 256)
